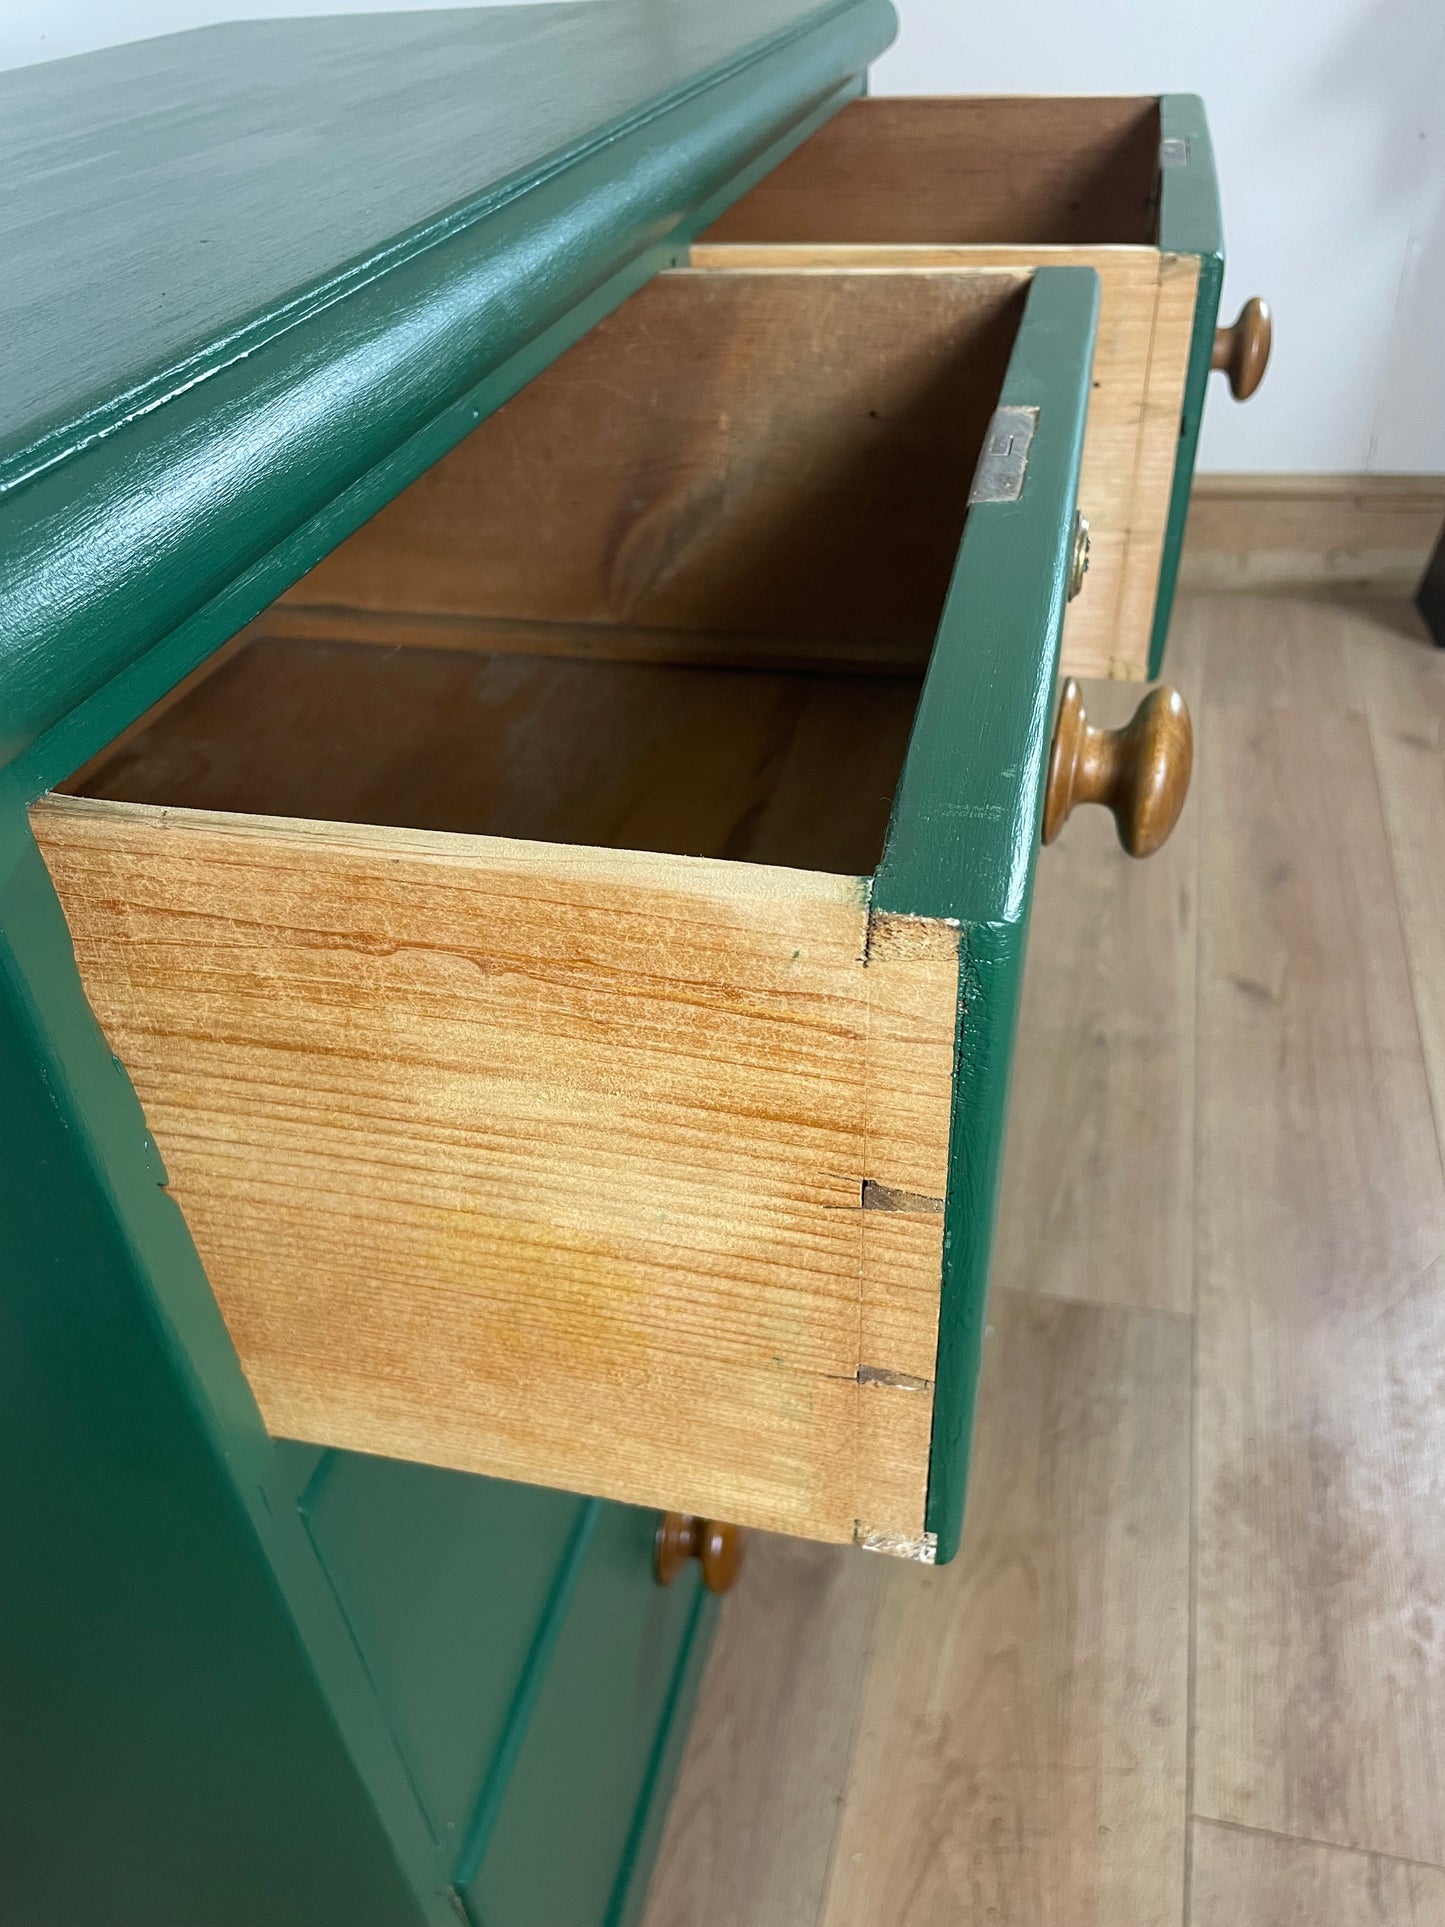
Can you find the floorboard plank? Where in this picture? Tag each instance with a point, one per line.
(1097, 1199)
(1403, 677)
(1276, 652)
(1320, 1471)
(1014, 1747)
(1021, 1755)
(1244, 1879)
(751, 1830)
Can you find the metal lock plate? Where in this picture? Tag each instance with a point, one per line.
(1004, 461)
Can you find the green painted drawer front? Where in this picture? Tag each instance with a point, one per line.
(445, 1579)
(964, 835)
(1189, 223)
(557, 1828)
(629, 1896)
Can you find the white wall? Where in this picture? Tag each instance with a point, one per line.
(1328, 119)
(1329, 129)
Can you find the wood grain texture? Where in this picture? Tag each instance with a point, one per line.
(1242, 1876)
(1316, 1212)
(1306, 531)
(1164, 461)
(751, 1832)
(543, 1162)
(1138, 770)
(1021, 1751)
(964, 168)
(784, 453)
(1401, 676)
(1141, 357)
(1320, 1673)
(754, 766)
(288, 620)
(1098, 1190)
(1270, 652)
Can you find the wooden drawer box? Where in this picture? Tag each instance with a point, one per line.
(568, 950)
(1125, 186)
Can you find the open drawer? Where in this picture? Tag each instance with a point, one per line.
(1125, 186)
(568, 949)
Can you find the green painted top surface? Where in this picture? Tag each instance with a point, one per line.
(248, 265)
(165, 199)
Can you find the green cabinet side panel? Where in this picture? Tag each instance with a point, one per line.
(147, 522)
(444, 1579)
(280, 1685)
(168, 1756)
(964, 835)
(1189, 223)
(556, 1828)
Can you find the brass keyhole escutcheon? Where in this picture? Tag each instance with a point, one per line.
(682, 1536)
(1140, 772)
(1241, 350)
(1078, 555)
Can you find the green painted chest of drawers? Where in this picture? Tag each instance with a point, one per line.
(538, 549)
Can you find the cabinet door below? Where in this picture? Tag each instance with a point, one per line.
(555, 1841)
(445, 1579)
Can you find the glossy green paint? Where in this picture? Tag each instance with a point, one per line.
(420, 1682)
(169, 1754)
(555, 1834)
(218, 184)
(443, 1579)
(629, 1895)
(144, 529)
(275, 1683)
(964, 835)
(527, 1662)
(1189, 223)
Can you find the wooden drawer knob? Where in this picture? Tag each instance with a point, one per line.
(681, 1537)
(1140, 772)
(1242, 351)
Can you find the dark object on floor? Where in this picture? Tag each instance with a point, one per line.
(1430, 596)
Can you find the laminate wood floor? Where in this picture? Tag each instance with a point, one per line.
(1189, 1666)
